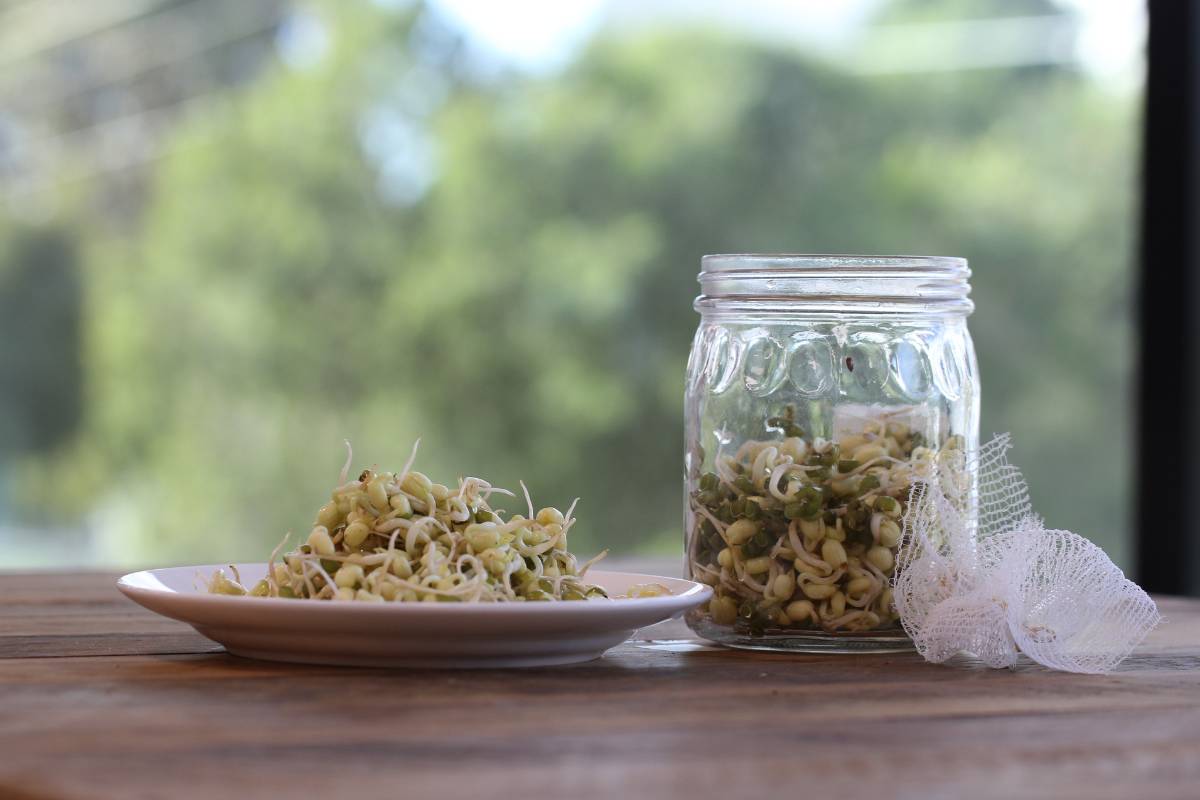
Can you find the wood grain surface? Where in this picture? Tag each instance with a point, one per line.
(100, 699)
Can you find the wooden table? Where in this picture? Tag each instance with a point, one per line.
(100, 699)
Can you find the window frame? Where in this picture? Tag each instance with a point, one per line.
(1168, 477)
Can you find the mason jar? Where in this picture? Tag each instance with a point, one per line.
(819, 389)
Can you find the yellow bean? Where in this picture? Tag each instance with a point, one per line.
(784, 585)
(355, 534)
(725, 558)
(868, 452)
(723, 610)
(320, 541)
(223, 584)
(795, 447)
(833, 553)
(400, 566)
(817, 591)
(400, 503)
(549, 515)
(741, 531)
(851, 443)
(416, 483)
(482, 535)
(882, 558)
(757, 566)
(494, 561)
(808, 569)
(837, 604)
(328, 515)
(857, 586)
(348, 576)
(799, 610)
(884, 603)
(377, 494)
(812, 528)
(533, 537)
(889, 533)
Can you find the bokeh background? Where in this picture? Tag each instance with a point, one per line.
(233, 234)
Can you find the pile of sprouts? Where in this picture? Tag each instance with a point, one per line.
(796, 533)
(398, 536)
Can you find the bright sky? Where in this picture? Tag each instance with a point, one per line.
(531, 33)
(541, 34)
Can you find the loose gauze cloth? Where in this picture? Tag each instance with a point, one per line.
(996, 583)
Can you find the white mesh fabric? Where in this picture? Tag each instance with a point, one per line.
(1006, 585)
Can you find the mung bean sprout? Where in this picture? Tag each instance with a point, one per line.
(400, 537)
(797, 533)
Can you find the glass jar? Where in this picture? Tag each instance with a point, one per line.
(818, 387)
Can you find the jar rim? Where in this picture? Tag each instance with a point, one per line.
(728, 262)
(807, 282)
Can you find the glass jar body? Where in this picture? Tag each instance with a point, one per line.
(806, 425)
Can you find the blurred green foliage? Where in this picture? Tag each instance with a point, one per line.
(41, 299)
(529, 316)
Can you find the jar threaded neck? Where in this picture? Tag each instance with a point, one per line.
(892, 284)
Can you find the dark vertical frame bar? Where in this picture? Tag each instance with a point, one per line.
(1168, 504)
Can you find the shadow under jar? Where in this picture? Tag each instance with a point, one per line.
(819, 388)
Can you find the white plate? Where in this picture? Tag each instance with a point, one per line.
(409, 634)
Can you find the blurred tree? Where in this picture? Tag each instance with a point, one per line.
(529, 313)
(89, 95)
(905, 11)
(41, 298)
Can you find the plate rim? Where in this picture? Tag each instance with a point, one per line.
(695, 594)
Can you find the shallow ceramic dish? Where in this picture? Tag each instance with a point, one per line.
(409, 634)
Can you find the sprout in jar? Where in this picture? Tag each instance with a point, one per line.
(799, 533)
